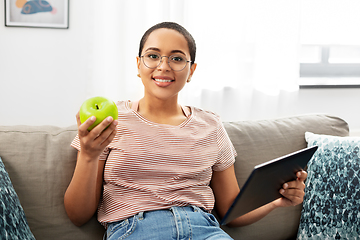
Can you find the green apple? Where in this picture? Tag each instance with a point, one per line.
(100, 107)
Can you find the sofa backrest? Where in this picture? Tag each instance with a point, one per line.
(260, 141)
(40, 163)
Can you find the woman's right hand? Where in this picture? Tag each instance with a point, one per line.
(84, 191)
(94, 142)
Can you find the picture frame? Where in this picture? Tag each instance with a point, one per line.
(37, 13)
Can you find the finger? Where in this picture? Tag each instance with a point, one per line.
(292, 192)
(83, 128)
(110, 129)
(302, 175)
(296, 184)
(108, 135)
(99, 129)
(294, 195)
(78, 119)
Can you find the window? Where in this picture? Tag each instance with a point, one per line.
(330, 44)
(330, 61)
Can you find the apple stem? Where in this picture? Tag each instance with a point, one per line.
(97, 107)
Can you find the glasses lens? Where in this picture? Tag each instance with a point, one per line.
(151, 60)
(177, 62)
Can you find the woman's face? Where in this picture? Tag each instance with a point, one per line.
(162, 82)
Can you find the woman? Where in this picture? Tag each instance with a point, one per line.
(166, 164)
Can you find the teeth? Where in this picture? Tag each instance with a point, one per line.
(162, 80)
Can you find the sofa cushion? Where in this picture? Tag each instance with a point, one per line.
(332, 195)
(263, 140)
(40, 163)
(13, 224)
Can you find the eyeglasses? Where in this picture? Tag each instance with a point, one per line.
(177, 62)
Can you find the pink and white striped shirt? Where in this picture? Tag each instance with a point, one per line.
(152, 166)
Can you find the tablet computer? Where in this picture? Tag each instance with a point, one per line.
(266, 180)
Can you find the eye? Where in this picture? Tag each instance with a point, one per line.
(177, 59)
(152, 56)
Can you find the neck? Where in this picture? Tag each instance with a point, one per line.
(159, 111)
(159, 107)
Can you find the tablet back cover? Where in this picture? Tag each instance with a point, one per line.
(266, 180)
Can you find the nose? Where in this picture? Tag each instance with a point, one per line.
(164, 64)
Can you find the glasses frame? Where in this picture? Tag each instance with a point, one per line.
(168, 62)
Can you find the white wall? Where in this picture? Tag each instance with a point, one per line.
(44, 72)
(44, 75)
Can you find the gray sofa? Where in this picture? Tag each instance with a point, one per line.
(40, 163)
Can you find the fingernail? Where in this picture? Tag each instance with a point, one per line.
(282, 191)
(109, 119)
(285, 186)
(115, 122)
(92, 118)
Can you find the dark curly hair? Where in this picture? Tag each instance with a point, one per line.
(174, 26)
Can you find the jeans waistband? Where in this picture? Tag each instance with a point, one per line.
(192, 208)
(174, 222)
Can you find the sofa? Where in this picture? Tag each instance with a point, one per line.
(40, 164)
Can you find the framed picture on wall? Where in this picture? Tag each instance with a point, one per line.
(37, 13)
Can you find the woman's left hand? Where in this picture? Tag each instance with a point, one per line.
(293, 192)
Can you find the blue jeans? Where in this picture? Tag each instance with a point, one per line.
(175, 223)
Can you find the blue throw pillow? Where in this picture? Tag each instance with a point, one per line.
(332, 195)
(13, 224)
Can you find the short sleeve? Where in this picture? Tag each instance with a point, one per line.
(76, 144)
(226, 151)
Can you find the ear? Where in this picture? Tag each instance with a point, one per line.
(192, 70)
(138, 62)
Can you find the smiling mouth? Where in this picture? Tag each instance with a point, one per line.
(162, 80)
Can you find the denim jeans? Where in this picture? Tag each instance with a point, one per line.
(175, 223)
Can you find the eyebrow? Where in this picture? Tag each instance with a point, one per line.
(158, 50)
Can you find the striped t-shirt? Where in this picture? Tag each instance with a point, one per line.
(152, 166)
